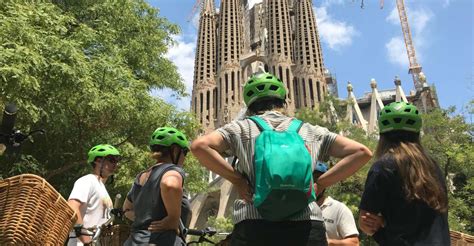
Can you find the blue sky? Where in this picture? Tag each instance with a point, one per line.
(361, 44)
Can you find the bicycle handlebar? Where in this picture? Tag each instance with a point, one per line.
(95, 231)
(205, 232)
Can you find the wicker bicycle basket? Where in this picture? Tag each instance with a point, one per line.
(114, 235)
(32, 212)
(461, 239)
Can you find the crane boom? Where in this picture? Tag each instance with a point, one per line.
(196, 7)
(415, 68)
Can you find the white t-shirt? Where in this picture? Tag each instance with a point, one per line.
(338, 219)
(95, 202)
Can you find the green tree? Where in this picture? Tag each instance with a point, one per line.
(448, 138)
(83, 71)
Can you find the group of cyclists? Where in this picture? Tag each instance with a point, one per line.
(404, 200)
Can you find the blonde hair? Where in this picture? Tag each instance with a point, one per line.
(419, 172)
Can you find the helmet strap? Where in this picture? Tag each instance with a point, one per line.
(175, 158)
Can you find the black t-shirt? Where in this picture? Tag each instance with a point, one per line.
(406, 223)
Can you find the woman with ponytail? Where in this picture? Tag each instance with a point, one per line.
(405, 198)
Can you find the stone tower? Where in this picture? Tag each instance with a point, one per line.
(204, 101)
(309, 83)
(279, 36)
(229, 50)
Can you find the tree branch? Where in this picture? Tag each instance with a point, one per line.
(125, 140)
(63, 169)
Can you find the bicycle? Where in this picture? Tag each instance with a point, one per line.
(203, 234)
(95, 232)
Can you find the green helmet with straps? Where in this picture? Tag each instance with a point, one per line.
(101, 150)
(399, 116)
(167, 136)
(263, 85)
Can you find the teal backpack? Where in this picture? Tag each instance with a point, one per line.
(283, 172)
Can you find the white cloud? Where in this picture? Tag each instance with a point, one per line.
(418, 20)
(253, 2)
(397, 52)
(446, 3)
(327, 3)
(182, 55)
(336, 34)
(393, 17)
(195, 20)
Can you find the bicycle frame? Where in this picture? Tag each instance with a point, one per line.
(96, 231)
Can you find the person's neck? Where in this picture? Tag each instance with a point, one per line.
(102, 179)
(157, 164)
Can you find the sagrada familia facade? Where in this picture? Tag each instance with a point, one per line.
(278, 36)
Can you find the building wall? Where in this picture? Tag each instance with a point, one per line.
(281, 33)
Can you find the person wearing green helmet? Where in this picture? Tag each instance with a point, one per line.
(405, 196)
(89, 197)
(265, 95)
(157, 192)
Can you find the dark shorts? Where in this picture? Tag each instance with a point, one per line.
(284, 233)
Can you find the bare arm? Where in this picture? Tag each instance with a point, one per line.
(128, 209)
(207, 149)
(353, 156)
(370, 223)
(171, 193)
(75, 205)
(348, 241)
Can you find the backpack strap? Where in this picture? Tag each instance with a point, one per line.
(262, 125)
(295, 125)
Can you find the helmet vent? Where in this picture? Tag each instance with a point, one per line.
(410, 122)
(273, 87)
(160, 137)
(101, 150)
(261, 87)
(250, 81)
(416, 112)
(172, 132)
(397, 120)
(269, 77)
(388, 111)
(407, 110)
(385, 122)
(250, 93)
(180, 138)
(162, 129)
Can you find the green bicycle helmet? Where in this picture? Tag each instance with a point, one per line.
(399, 116)
(101, 150)
(263, 85)
(167, 136)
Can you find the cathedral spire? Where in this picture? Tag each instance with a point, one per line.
(208, 7)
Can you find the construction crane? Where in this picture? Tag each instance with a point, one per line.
(415, 68)
(196, 7)
(419, 79)
(428, 98)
